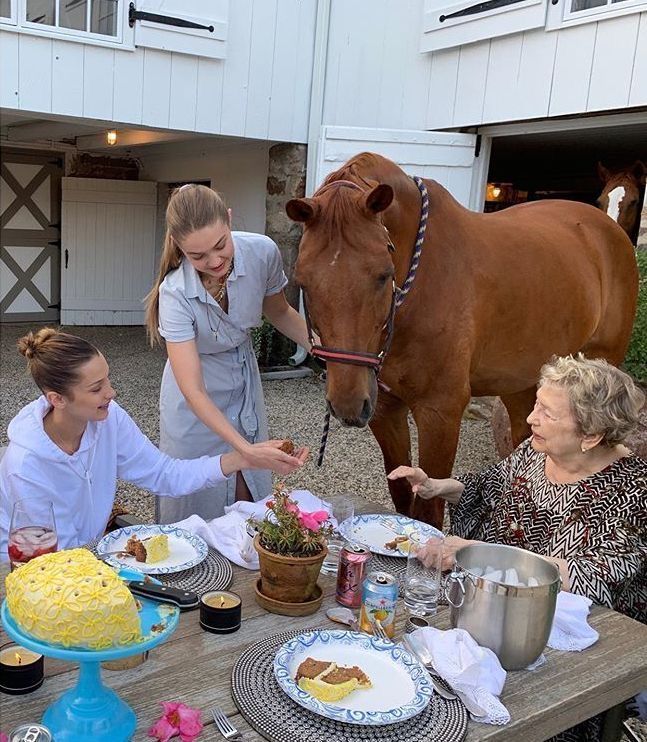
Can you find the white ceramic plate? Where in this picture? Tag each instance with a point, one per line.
(401, 687)
(186, 548)
(376, 530)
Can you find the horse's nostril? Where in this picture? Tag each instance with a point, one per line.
(367, 410)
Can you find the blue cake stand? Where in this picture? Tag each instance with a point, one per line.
(90, 710)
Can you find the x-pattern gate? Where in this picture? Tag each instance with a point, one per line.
(30, 197)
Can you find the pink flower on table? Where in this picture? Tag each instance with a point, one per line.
(312, 521)
(177, 719)
(291, 507)
(3, 737)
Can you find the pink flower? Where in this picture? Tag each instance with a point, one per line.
(313, 521)
(3, 737)
(292, 508)
(177, 719)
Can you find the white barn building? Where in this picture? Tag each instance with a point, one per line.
(526, 94)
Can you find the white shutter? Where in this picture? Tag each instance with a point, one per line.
(447, 25)
(108, 250)
(448, 158)
(172, 38)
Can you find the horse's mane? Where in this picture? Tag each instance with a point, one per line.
(366, 170)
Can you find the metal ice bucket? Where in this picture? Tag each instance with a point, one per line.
(514, 622)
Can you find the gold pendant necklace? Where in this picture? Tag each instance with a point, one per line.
(219, 296)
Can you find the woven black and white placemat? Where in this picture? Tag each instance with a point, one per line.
(213, 573)
(395, 566)
(278, 718)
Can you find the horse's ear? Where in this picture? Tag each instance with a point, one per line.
(639, 171)
(379, 198)
(301, 209)
(603, 173)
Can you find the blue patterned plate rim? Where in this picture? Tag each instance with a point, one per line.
(110, 540)
(283, 672)
(351, 530)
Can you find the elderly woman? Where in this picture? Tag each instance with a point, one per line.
(572, 492)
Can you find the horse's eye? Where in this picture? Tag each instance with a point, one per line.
(384, 278)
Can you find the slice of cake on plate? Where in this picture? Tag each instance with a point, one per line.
(150, 550)
(329, 681)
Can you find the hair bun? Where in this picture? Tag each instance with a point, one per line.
(30, 344)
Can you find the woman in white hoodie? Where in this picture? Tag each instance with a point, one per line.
(71, 444)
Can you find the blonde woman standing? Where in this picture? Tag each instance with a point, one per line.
(213, 287)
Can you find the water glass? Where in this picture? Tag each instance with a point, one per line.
(32, 531)
(424, 574)
(341, 508)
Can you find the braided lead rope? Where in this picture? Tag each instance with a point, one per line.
(324, 438)
(415, 258)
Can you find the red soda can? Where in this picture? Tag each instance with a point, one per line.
(353, 559)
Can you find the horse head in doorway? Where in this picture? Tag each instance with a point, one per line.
(622, 196)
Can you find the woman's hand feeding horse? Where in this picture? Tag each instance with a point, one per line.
(492, 298)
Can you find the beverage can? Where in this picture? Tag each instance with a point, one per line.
(414, 623)
(31, 733)
(379, 598)
(353, 559)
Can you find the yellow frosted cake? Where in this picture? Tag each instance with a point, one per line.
(73, 599)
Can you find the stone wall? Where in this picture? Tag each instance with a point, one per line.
(85, 165)
(286, 179)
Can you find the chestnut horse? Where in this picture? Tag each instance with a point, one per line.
(495, 295)
(622, 196)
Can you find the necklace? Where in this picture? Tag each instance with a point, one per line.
(222, 282)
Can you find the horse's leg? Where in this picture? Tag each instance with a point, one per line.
(519, 406)
(438, 431)
(390, 428)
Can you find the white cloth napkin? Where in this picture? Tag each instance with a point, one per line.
(469, 668)
(228, 533)
(571, 631)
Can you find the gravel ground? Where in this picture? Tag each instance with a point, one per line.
(295, 409)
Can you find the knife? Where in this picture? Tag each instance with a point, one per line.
(184, 599)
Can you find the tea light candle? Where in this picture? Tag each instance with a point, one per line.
(21, 670)
(220, 612)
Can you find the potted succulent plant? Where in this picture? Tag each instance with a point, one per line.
(291, 546)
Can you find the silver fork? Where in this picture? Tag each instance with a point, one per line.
(378, 630)
(225, 727)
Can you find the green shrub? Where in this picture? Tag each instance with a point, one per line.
(636, 358)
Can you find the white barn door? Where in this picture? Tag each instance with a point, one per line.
(449, 158)
(108, 250)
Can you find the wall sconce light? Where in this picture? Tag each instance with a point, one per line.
(111, 137)
(498, 191)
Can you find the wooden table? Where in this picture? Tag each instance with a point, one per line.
(194, 667)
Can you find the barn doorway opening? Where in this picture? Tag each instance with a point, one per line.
(559, 164)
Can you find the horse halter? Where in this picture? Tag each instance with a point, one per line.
(374, 361)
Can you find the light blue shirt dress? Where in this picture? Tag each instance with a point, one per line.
(229, 369)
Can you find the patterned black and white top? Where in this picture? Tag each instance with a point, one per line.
(598, 524)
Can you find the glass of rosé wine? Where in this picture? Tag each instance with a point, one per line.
(32, 531)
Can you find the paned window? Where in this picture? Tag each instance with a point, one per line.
(83, 16)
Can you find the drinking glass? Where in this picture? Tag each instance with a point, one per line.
(341, 508)
(424, 573)
(32, 531)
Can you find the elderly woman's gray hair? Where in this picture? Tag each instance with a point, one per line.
(604, 400)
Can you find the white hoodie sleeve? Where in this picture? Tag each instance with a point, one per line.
(140, 462)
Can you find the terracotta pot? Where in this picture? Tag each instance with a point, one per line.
(286, 578)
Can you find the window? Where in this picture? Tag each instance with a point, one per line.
(86, 16)
(583, 8)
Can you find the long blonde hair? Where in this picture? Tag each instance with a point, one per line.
(191, 207)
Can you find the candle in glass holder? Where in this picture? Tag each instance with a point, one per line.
(21, 670)
(220, 612)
